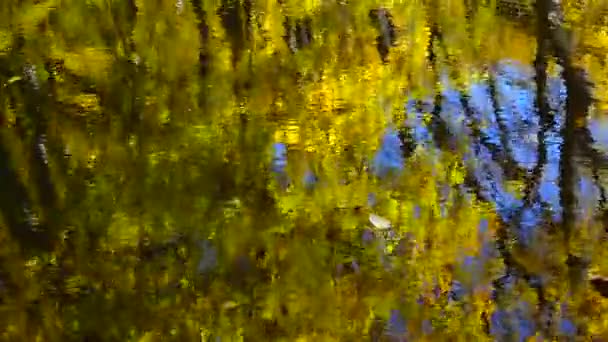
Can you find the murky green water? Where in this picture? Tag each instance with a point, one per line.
(303, 170)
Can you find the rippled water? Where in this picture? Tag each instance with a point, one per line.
(319, 170)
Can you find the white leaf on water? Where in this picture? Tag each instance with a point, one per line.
(379, 221)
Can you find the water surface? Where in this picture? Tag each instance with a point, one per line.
(319, 170)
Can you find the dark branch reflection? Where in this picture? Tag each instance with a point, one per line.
(303, 170)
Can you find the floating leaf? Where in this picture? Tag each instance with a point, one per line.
(379, 221)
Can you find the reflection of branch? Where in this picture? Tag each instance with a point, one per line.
(546, 120)
(298, 33)
(386, 39)
(504, 133)
(584, 142)
(203, 58)
(540, 65)
(230, 13)
(513, 267)
(442, 136)
(37, 103)
(500, 154)
(577, 105)
(14, 203)
(578, 101)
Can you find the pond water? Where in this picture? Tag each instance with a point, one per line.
(320, 170)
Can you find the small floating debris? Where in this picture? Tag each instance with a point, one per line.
(379, 221)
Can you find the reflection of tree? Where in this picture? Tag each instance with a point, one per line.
(150, 178)
(203, 29)
(505, 233)
(386, 38)
(544, 112)
(506, 156)
(576, 138)
(31, 210)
